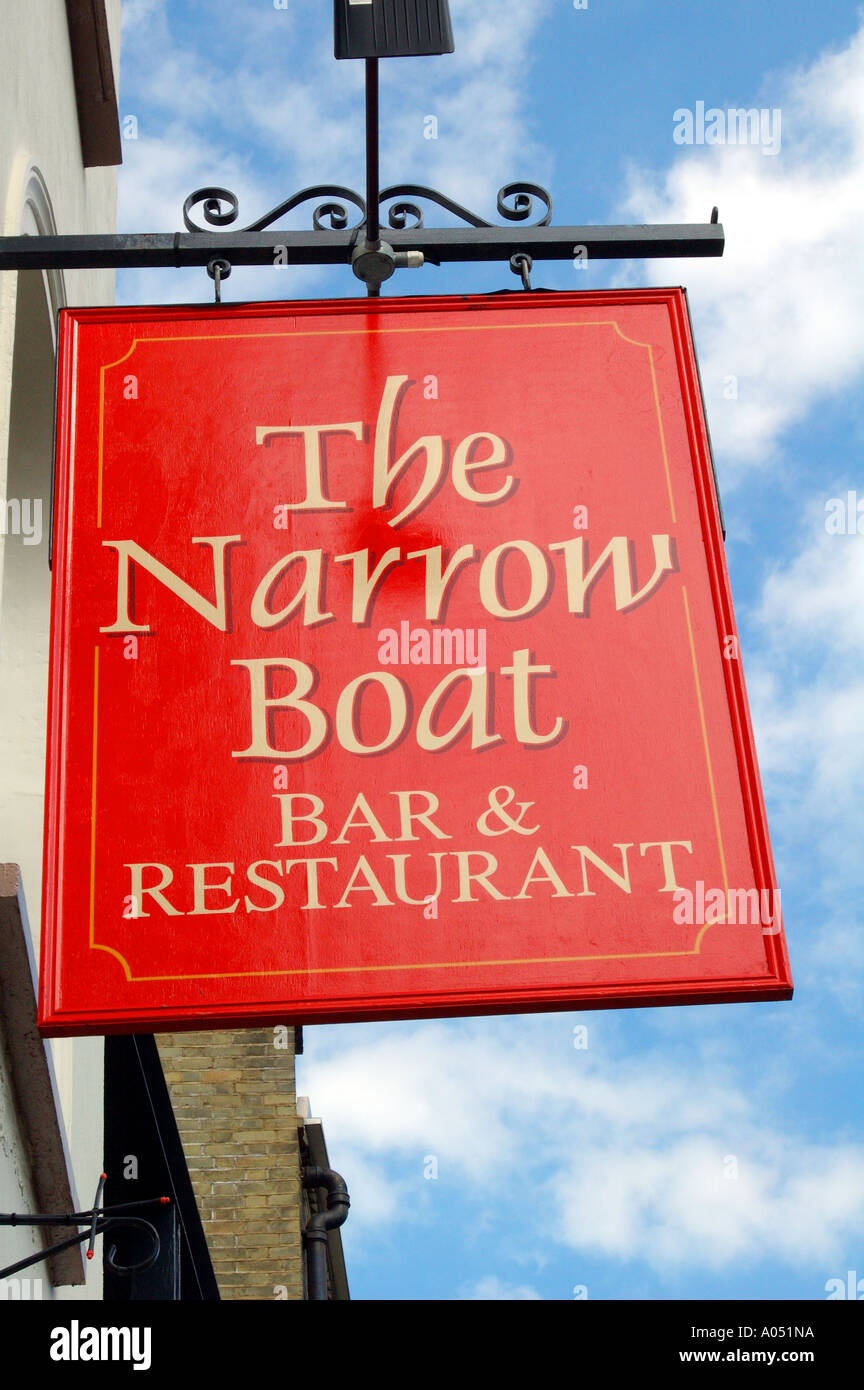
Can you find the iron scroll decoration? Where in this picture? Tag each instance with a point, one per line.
(220, 207)
(211, 200)
(523, 196)
(98, 1222)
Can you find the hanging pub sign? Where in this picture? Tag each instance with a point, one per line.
(394, 669)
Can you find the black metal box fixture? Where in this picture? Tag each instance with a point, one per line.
(391, 28)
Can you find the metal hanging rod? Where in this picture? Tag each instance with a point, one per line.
(335, 247)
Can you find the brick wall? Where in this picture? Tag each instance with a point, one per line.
(235, 1101)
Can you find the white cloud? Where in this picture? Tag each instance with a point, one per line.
(376, 1197)
(673, 1204)
(783, 310)
(631, 1161)
(837, 956)
(159, 171)
(491, 1288)
(807, 691)
(816, 600)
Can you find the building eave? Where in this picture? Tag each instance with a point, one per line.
(95, 90)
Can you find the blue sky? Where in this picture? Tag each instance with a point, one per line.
(605, 1168)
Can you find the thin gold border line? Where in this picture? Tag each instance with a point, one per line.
(662, 433)
(369, 332)
(93, 796)
(102, 370)
(705, 742)
(94, 944)
(429, 965)
(423, 965)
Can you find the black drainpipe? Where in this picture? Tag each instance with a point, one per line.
(315, 1234)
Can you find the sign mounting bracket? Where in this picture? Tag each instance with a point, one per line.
(368, 30)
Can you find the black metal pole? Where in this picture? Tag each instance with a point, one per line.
(439, 245)
(373, 227)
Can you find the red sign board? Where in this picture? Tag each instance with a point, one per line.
(394, 669)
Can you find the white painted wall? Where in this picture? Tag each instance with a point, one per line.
(44, 188)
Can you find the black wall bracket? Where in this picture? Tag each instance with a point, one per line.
(368, 30)
(334, 241)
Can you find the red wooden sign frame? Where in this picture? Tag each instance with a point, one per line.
(394, 669)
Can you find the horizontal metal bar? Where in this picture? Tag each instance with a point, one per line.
(334, 248)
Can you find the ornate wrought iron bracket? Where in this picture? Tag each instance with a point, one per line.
(98, 1221)
(335, 239)
(220, 207)
(346, 230)
(373, 260)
